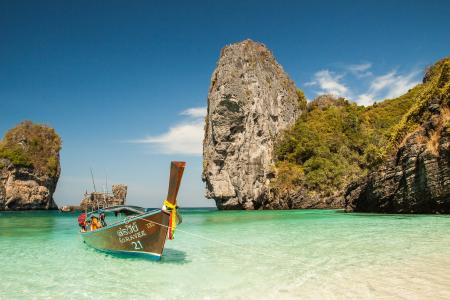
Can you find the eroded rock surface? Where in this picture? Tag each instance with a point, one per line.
(97, 199)
(29, 167)
(23, 189)
(417, 180)
(251, 100)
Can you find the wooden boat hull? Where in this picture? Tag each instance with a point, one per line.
(141, 235)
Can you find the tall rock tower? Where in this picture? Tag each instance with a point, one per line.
(250, 101)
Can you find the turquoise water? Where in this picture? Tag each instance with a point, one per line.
(307, 254)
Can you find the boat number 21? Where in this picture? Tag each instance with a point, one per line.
(137, 245)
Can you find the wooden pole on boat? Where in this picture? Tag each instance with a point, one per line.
(93, 182)
(176, 173)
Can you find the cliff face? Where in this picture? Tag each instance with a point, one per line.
(29, 167)
(21, 188)
(416, 179)
(251, 99)
(94, 199)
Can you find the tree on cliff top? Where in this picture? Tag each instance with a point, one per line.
(32, 145)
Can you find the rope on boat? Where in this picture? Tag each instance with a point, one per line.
(215, 241)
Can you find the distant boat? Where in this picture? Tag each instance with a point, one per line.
(143, 231)
(65, 208)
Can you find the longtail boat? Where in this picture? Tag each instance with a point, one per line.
(142, 231)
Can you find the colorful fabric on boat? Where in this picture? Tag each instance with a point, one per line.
(172, 218)
(82, 219)
(95, 224)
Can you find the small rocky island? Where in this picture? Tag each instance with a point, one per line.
(97, 199)
(29, 167)
(265, 147)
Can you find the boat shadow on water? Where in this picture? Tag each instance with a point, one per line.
(171, 256)
(174, 256)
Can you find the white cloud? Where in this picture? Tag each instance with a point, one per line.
(389, 85)
(183, 138)
(383, 81)
(402, 84)
(360, 70)
(361, 85)
(194, 112)
(365, 99)
(179, 139)
(329, 83)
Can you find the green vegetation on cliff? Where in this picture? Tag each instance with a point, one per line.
(336, 141)
(434, 91)
(32, 145)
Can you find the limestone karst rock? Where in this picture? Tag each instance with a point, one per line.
(97, 199)
(22, 188)
(120, 192)
(251, 100)
(416, 179)
(29, 167)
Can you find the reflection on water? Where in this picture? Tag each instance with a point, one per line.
(27, 224)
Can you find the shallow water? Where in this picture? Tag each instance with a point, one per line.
(307, 254)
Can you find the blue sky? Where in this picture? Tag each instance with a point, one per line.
(125, 82)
